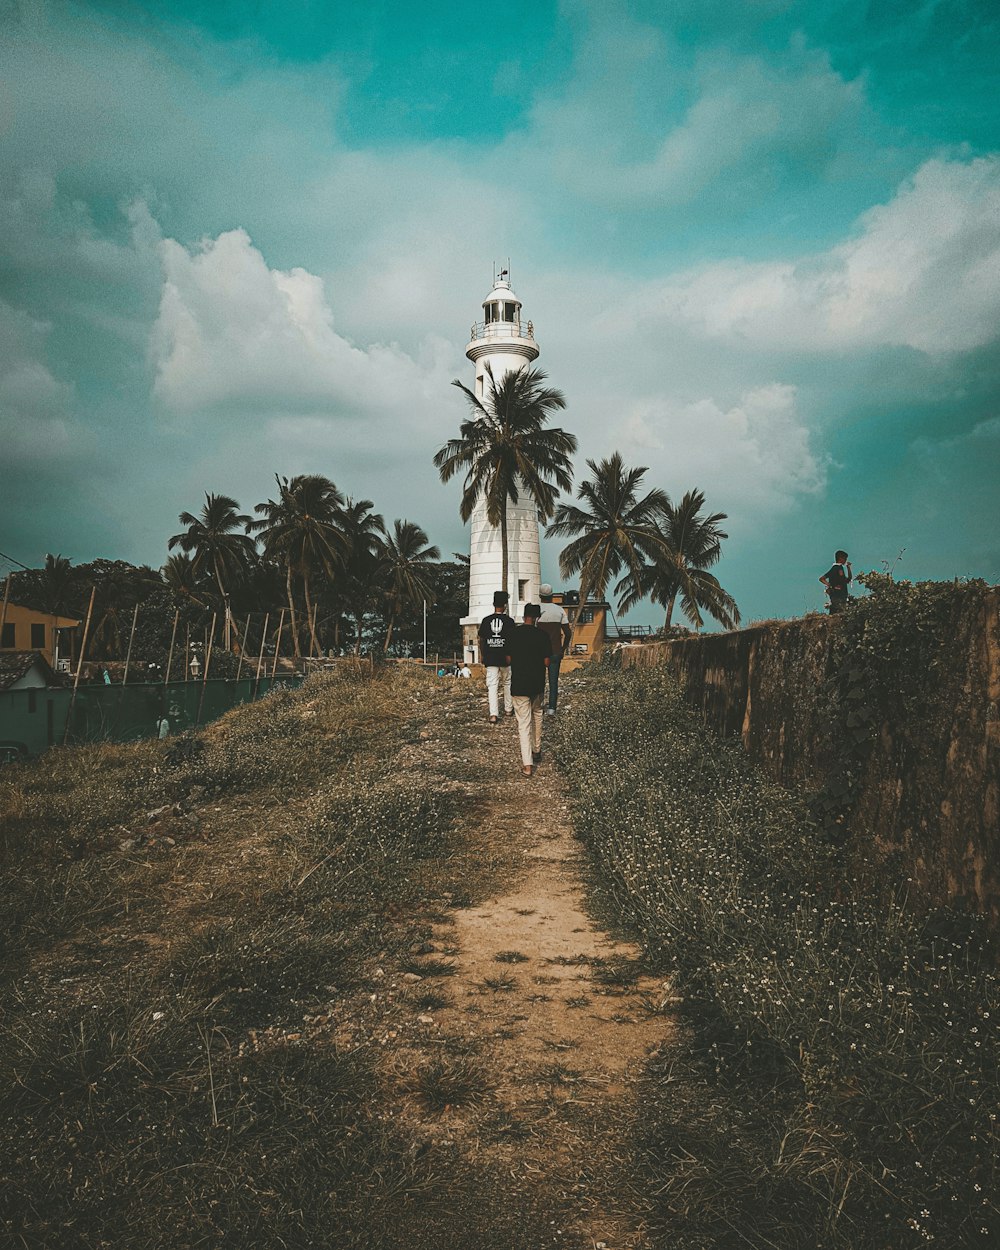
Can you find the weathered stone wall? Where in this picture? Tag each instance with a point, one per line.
(926, 793)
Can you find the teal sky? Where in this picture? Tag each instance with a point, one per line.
(760, 244)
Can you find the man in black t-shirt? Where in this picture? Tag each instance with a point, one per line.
(837, 580)
(530, 649)
(495, 632)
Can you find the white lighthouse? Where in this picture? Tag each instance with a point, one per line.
(503, 342)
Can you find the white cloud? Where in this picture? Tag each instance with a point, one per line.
(232, 331)
(751, 457)
(747, 114)
(639, 125)
(923, 272)
(36, 428)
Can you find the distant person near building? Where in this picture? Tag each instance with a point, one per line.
(495, 633)
(530, 651)
(554, 622)
(837, 580)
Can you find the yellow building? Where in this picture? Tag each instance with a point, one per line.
(590, 632)
(27, 629)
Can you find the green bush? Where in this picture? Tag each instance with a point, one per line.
(866, 1036)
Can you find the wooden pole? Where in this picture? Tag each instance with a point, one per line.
(79, 665)
(3, 609)
(204, 680)
(246, 631)
(128, 654)
(277, 644)
(187, 654)
(260, 658)
(170, 653)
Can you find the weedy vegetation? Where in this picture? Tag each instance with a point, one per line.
(840, 1086)
(188, 928)
(451, 1082)
(510, 957)
(500, 985)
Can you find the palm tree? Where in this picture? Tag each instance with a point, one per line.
(118, 588)
(505, 447)
(615, 531)
(218, 549)
(301, 529)
(693, 545)
(405, 557)
(56, 583)
(185, 584)
(364, 531)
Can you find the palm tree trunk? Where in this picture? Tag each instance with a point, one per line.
(584, 596)
(291, 608)
(504, 547)
(358, 621)
(309, 612)
(225, 603)
(670, 609)
(388, 632)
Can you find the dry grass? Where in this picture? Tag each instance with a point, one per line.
(175, 987)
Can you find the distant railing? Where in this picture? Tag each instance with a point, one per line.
(502, 330)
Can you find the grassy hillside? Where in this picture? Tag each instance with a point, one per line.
(189, 1051)
(221, 951)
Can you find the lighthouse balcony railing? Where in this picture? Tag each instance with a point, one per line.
(502, 330)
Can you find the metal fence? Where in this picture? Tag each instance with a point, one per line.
(31, 721)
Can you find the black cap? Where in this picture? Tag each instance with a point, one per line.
(500, 596)
(532, 610)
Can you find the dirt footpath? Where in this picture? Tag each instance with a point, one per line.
(534, 1016)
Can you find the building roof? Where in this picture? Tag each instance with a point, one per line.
(17, 664)
(502, 290)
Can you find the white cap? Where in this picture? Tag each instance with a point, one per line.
(545, 590)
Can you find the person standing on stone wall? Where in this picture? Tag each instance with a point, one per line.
(495, 633)
(554, 622)
(837, 580)
(530, 650)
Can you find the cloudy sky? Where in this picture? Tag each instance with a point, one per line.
(760, 244)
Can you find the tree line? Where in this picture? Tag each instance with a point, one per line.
(329, 566)
(346, 580)
(333, 551)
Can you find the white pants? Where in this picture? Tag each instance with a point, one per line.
(497, 681)
(528, 709)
